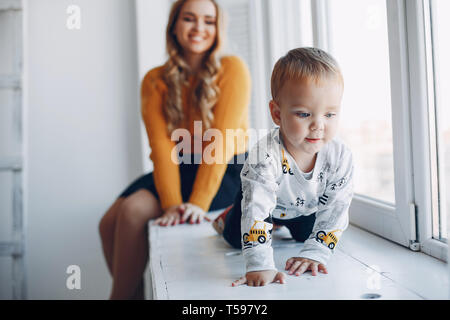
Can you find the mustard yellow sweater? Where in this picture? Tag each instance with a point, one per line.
(230, 112)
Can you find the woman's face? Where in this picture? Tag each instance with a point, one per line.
(195, 28)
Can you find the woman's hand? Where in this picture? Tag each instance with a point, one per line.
(170, 217)
(193, 213)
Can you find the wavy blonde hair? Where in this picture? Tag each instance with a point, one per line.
(176, 70)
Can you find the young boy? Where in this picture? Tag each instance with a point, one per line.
(298, 175)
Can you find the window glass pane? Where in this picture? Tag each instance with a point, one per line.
(359, 41)
(441, 53)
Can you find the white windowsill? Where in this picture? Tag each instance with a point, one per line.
(193, 262)
(435, 248)
(417, 272)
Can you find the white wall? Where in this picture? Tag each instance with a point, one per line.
(83, 139)
(152, 17)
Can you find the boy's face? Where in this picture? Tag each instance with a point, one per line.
(308, 114)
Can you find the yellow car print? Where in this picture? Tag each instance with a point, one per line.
(285, 164)
(329, 239)
(255, 234)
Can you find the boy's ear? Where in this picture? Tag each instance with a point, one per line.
(275, 112)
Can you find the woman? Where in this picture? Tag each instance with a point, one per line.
(193, 85)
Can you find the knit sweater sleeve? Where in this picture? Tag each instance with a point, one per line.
(166, 173)
(230, 112)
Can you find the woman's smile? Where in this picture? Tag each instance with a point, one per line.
(196, 39)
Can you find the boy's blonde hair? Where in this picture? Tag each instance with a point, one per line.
(303, 64)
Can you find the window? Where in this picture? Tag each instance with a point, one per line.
(376, 48)
(395, 116)
(360, 44)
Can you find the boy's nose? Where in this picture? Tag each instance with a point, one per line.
(317, 124)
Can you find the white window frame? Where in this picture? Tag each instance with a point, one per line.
(420, 10)
(412, 71)
(403, 101)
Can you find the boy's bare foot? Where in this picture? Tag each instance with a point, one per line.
(219, 222)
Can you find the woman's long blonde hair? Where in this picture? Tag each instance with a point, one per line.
(206, 91)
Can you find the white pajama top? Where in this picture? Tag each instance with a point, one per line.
(274, 187)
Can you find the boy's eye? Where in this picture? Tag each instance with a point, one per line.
(210, 22)
(303, 114)
(330, 115)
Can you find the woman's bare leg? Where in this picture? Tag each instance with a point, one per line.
(107, 229)
(130, 254)
(139, 293)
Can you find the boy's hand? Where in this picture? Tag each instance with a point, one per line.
(260, 278)
(299, 265)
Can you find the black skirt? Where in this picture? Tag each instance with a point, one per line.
(224, 197)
